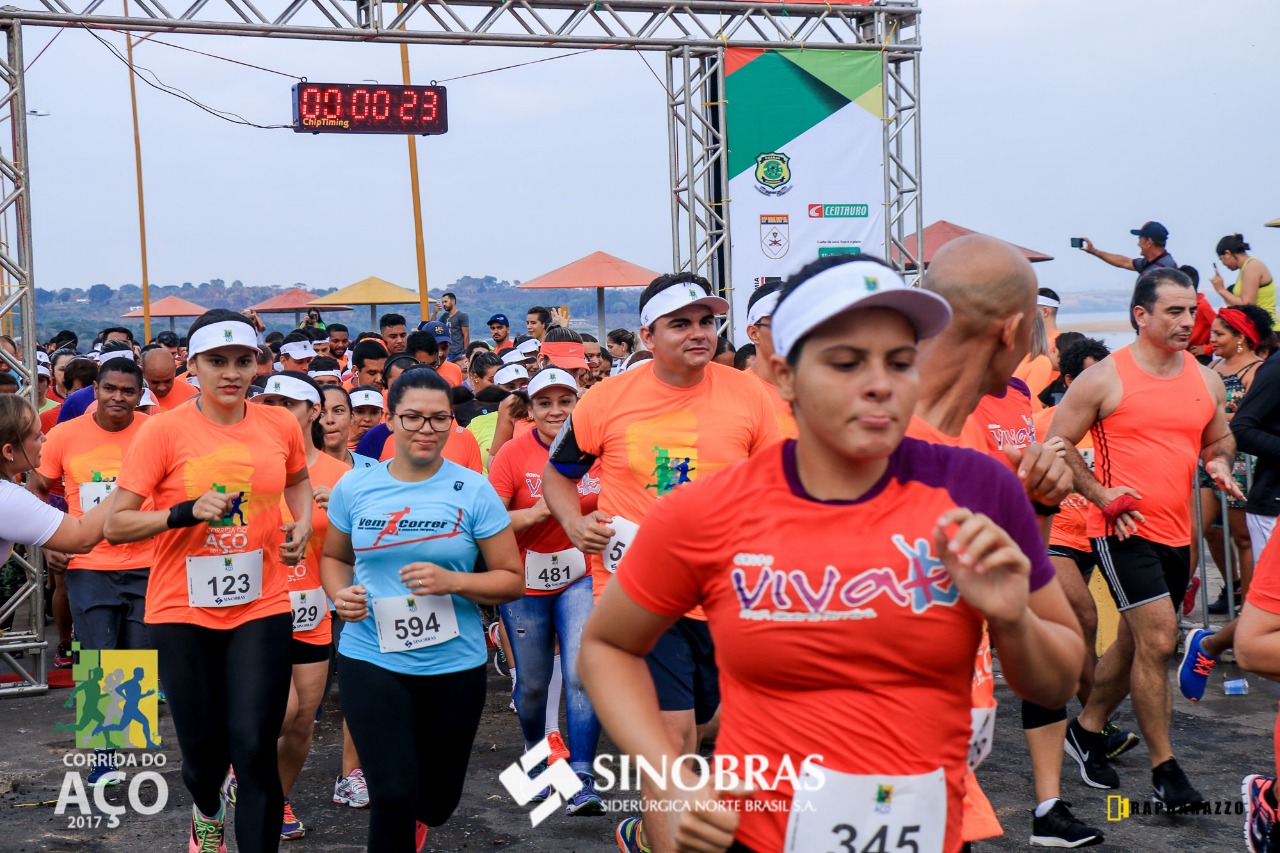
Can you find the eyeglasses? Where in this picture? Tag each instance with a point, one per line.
(414, 423)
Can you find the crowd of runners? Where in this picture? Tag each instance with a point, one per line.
(823, 542)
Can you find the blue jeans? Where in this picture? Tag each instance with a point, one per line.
(534, 622)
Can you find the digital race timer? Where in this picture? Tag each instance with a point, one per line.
(369, 108)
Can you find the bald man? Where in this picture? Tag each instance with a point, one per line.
(160, 371)
(992, 292)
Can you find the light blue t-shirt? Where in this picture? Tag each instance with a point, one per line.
(358, 461)
(394, 523)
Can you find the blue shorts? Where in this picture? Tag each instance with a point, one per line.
(108, 608)
(683, 667)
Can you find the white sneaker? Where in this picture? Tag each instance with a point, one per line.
(351, 790)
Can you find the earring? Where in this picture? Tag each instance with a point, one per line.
(1239, 346)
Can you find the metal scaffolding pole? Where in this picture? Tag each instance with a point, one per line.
(27, 635)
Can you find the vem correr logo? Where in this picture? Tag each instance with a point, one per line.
(773, 173)
(558, 779)
(115, 699)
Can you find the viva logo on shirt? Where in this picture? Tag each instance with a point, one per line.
(767, 594)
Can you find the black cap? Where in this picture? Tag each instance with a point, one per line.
(1152, 231)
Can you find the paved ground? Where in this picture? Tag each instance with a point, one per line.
(1219, 740)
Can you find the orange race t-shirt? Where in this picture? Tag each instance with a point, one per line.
(461, 449)
(305, 589)
(180, 393)
(651, 437)
(780, 579)
(84, 459)
(781, 408)
(1007, 418)
(1038, 374)
(180, 455)
(516, 475)
(451, 373)
(1069, 525)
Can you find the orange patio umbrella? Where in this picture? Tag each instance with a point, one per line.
(170, 306)
(293, 301)
(598, 270)
(942, 231)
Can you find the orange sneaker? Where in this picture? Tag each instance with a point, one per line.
(558, 749)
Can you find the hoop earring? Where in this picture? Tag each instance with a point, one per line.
(1239, 346)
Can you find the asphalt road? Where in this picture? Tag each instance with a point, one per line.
(1218, 741)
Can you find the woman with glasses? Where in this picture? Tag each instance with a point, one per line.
(398, 563)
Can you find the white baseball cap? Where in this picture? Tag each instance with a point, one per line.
(552, 377)
(529, 347)
(514, 356)
(679, 296)
(510, 373)
(298, 350)
(289, 387)
(856, 284)
(366, 398)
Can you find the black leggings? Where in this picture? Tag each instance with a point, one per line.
(227, 692)
(414, 734)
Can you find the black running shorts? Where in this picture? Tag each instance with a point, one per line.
(1138, 570)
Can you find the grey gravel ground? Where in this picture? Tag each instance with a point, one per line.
(1218, 740)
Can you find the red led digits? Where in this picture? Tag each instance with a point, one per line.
(407, 105)
(332, 102)
(352, 108)
(360, 105)
(381, 105)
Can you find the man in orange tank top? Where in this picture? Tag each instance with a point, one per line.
(1152, 409)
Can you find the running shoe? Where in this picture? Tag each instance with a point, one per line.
(1189, 600)
(629, 835)
(419, 836)
(207, 834)
(1060, 828)
(104, 772)
(500, 662)
(229, 788)
(351, 790)
(1193, 672)
(1220, 606)
(1173, 788)
(62, 656)
(1117, 741)
(558, 749)
(586, 802)
(290, 827)
(1259, 815)
(104, 777)
(1089, 751)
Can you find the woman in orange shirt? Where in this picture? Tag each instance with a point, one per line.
(218, 597)
(301, 396)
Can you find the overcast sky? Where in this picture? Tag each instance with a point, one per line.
(1041, 122)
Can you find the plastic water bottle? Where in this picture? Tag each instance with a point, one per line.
(1238, 687)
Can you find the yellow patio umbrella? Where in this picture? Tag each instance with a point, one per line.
(373, 292)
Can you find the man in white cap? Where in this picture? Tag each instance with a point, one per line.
(296, 352)
(653, 430)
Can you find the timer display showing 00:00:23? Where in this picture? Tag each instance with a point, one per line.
(352, 108)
